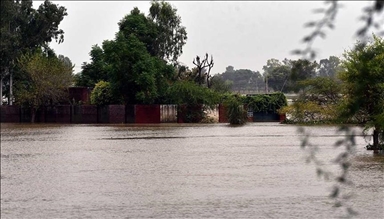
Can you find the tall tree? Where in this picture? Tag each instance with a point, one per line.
(220, 85)
(242, 79)
(329, 67)
(302, 69)
(278, 78)
(363, 76)
(268, 69)
(49, 78)
(172, 35)
(95, 71)
(135, 74)
(203, 75)
(144, 29)
(24, 28)
(135, 62)
(277, 74)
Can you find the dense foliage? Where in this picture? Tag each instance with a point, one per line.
(102, 94)
(317, 103)
(240, 80)
(25, 29)
(268, 103)
(48, 80)
(363, 78)
(194, 99)
(235, 110)
(95, 71)
(238, 106)
(137, 63)
(352, 93)
(170, 36)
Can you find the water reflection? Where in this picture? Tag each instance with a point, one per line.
(174, 171)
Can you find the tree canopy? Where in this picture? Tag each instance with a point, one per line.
(240, 79)
(171, 35)
(137, 61)
(25, 29)
(363, 77)
(329, 67)
(48, 80)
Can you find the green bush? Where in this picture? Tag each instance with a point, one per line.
(268, 103)
(102, 94)
(195, 99)
(236, 113)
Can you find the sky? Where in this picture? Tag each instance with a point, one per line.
(243, 34)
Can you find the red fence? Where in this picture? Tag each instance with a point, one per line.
(147, 114)
(222, 114)
(117, 114)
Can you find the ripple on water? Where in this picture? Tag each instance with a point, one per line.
(174, 171)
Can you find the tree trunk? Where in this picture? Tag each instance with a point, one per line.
(376, 140)
(10, 89)
(1, 90)
(33, 115)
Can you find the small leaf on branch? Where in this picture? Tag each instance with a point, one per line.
(310, 24)
(296, 52)
(308, 38)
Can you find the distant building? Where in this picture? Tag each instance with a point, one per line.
(80, 95)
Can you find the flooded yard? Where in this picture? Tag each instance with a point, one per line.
(176, 171)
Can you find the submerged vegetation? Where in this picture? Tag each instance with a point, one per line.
(354, 96)
(236, 112)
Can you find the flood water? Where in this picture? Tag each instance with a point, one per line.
(177, 171)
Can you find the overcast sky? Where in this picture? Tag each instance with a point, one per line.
(242, 34)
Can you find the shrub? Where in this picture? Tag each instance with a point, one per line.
(268, 103)
(236, 113)
(102, 94)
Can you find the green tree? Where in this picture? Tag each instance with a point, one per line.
(278, 78)
(49, 77)
(322, 90)
(329, 67)
(171, 35)
(194, 98)
(235, 111)
(136, 76)
(219, 85)
(102, 94)
(24, 29)
(363, 76)
(318, 102)
(371, 15)
(161, 31)
(277, 74)
(135, 62)
(137, 24)
(242, 79)
(95, 71)
(302, 69)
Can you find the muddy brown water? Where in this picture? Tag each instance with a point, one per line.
(177, 171)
